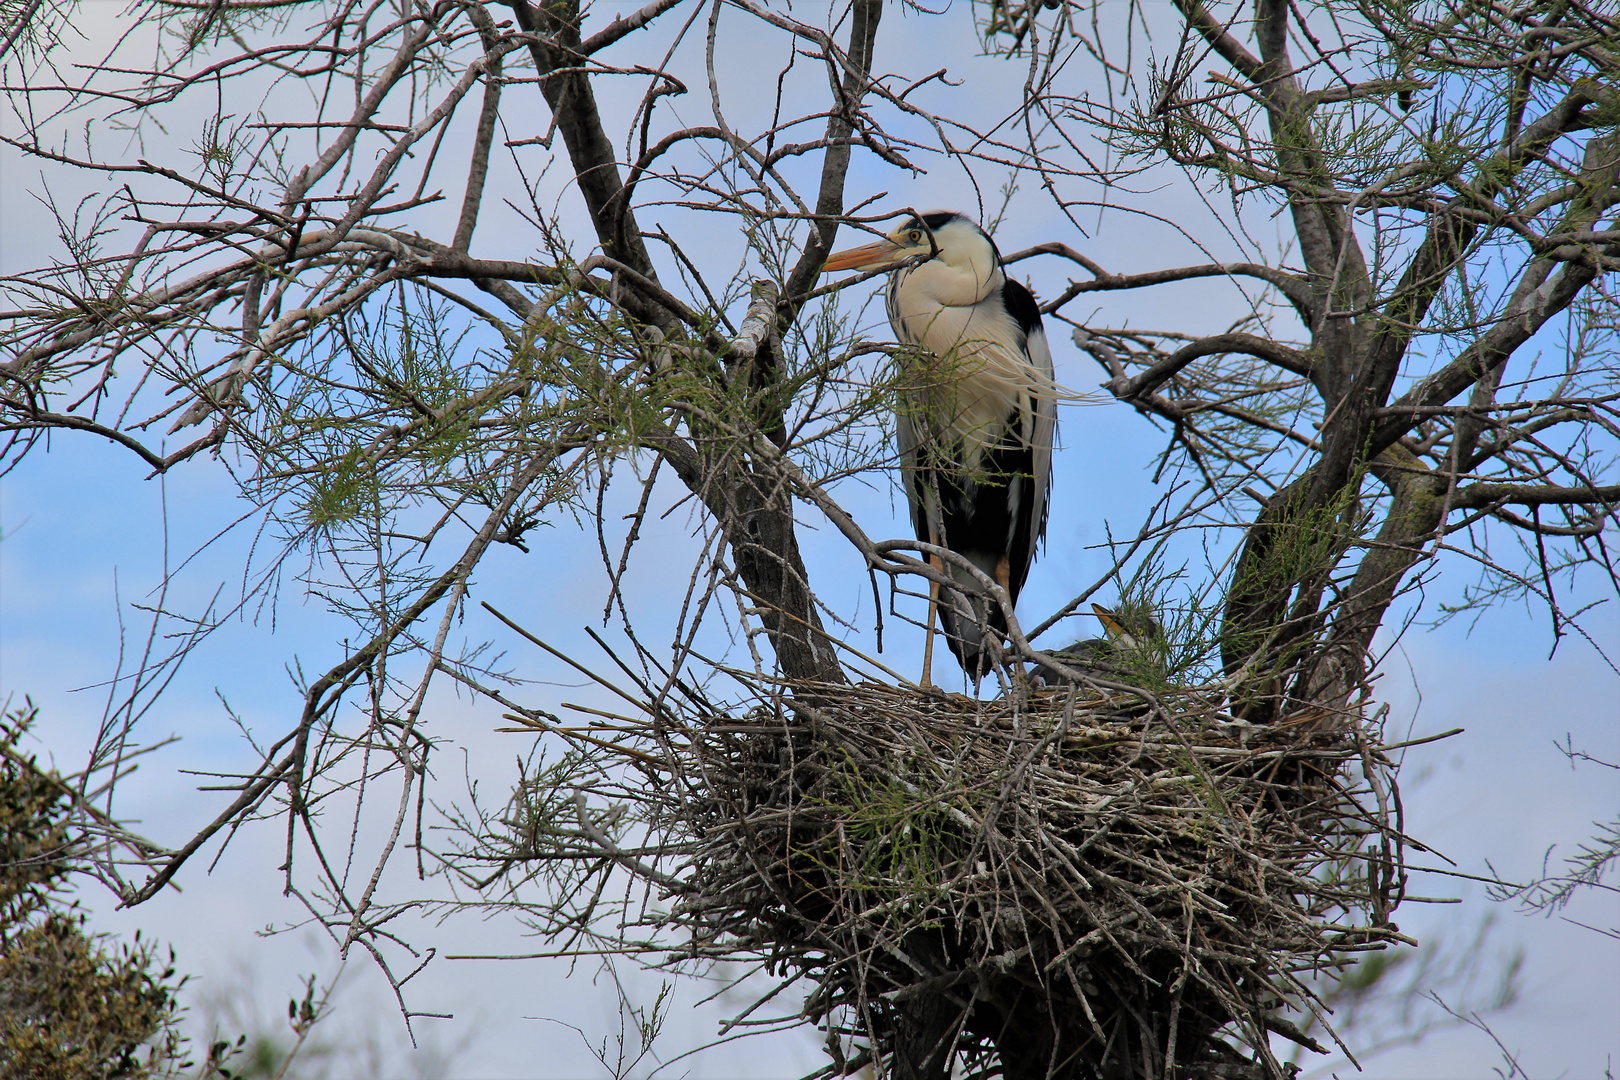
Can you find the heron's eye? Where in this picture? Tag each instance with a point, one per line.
(915, 236)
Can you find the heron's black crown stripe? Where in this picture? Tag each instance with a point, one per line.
(934, 221)
(1020, 304)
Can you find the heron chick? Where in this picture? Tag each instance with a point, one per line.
(977, 419)
(1134, 645)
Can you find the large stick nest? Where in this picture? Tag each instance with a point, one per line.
(1066, 884)
(1094, 881)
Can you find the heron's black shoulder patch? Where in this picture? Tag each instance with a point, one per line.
(1020, 304)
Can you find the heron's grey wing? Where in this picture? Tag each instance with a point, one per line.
(908, 439)
(1045, 433)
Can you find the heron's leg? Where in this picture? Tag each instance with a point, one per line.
(933, 611)
(1004, 575)
(1003, 578)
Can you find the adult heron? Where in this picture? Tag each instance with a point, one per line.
(977, 418)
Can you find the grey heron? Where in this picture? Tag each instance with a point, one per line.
(977, 418)
(1134, 643)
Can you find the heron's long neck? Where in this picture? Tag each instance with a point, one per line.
(949, 285)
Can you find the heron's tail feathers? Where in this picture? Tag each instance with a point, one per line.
(974, 625)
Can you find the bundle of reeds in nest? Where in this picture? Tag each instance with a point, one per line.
(1071, 883)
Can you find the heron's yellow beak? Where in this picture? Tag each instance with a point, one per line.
(1111, 623)
(878, 256)
(1144, 631)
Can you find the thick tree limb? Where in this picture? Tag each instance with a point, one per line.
(1290, 360)
(572, 99)
(1476, 495)
(864, 18)
(1297, 291)
(1449, 234)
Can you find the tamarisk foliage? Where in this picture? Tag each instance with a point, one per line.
(427, 278)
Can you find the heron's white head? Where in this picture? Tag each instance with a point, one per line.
(965, 256)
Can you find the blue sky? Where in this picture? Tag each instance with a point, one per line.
(86, 540)
(1500, 791)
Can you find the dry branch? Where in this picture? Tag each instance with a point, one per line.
(1092, 884)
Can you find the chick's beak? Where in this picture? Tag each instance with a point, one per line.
(1111, 623)
(877, 256)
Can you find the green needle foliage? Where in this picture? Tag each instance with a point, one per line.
(468, 275)
(74, 1005)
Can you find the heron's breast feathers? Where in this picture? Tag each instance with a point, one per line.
(978, 386)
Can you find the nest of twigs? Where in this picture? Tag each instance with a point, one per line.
(1073, 883)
